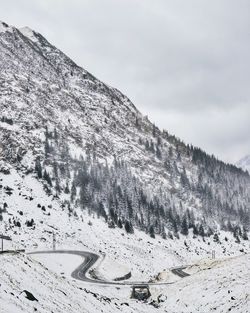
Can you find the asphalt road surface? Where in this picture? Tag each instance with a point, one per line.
(90, 259)
(179, 271)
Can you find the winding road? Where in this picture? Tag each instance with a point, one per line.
(91, 258)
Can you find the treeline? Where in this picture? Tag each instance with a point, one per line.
(7, 120)
(115, 194)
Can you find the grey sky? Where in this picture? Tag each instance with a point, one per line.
(185, 64)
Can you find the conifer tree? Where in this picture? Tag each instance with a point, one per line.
(151, 231)
(38, 168)
(184, 226)
(46, 176)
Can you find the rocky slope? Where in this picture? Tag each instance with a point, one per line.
(90, 146)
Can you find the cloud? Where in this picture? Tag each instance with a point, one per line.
(183, 63)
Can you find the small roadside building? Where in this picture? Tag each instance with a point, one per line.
(140, 292)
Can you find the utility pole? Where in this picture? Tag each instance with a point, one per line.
(54, 241)
(4, 238)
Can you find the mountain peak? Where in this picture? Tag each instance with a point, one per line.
(26, 31)
(29, 33)
(4, 27)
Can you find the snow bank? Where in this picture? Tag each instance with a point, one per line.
(63, 264)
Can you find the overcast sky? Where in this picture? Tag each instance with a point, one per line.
(185, 64)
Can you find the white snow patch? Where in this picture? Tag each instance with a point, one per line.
(29, 33)
(109, 270)
(62, 264)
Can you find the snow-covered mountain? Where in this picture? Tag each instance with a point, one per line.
(79, 161)
(244, 163)
(91, 147)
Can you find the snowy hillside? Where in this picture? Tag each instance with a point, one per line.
(48, 278)
(244, 163)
